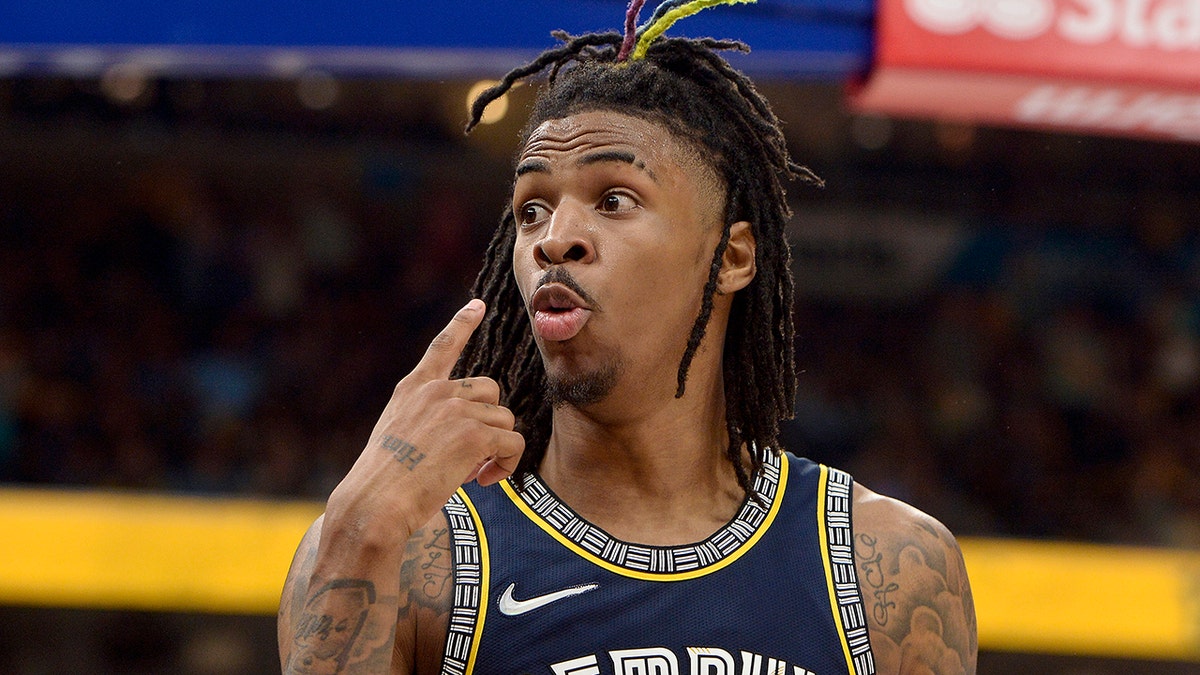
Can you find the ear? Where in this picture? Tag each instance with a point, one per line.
(737, 265)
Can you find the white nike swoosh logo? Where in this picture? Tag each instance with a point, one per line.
(510, 606)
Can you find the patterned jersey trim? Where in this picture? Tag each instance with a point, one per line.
(833, 506)
(471, 574)
(656, 563)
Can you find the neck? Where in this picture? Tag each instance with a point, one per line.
(656, 474)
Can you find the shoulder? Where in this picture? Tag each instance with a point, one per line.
(914, 584)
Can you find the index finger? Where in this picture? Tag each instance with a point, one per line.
(445, 349)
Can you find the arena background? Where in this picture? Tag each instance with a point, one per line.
(227, 230)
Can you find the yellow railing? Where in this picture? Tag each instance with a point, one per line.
(101, 549)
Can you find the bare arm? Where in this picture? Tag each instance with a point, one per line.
(376, 564)
(914, 583)
(398, 634)
(334, 625)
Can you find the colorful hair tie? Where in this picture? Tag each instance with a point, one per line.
(664, 16)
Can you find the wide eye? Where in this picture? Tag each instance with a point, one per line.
(531, 213)
(616, 202)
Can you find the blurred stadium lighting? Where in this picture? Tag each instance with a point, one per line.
(496, 110)
(124, 83)
(317, 89)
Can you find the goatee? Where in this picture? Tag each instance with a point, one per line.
(581, 390)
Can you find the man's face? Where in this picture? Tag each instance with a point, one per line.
(616, 223)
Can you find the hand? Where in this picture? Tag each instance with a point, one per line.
(434, 435)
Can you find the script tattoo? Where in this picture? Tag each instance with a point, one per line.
(403, 451)
(428, 568)
(439, 565)
(871, 563)
(923, 617)
(330, 625)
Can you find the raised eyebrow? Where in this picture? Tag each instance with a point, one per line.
(621, 156)
(532, 166)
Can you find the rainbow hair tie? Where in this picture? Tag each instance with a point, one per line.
(636, 42)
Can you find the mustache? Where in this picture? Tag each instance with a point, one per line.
(559, 275)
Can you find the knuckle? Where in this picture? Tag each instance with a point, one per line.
(477, 435)
(438, 387)
(456, 408)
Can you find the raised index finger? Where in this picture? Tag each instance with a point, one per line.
(443, 352)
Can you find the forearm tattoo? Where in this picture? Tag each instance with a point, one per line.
(329, 627)
(916, 590)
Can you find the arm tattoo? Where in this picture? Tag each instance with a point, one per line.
(426, 596)
(920, 601)
(330, 625)
(294, 590)
(403, 451)
(428, 568)
(871, 562)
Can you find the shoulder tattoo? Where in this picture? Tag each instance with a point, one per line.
(917, 596)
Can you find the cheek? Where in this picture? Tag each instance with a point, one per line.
(521, 264)
(664, 286)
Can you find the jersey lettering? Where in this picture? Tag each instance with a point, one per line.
(662, 661)
(584, 665)
(649, 661)
(710, 661)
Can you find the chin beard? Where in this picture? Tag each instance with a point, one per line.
(581, 390)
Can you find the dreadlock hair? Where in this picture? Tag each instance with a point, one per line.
(687, 87)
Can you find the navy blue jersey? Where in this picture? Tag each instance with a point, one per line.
(540, 591)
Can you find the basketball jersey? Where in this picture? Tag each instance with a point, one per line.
(538, 590)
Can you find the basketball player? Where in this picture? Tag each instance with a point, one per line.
(582, 474)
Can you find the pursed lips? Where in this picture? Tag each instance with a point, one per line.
(559, 313)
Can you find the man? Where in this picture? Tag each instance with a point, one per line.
(615, 397)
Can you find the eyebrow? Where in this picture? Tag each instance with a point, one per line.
(532, 166)
(606, 156)
(616, 156)
(540, 166)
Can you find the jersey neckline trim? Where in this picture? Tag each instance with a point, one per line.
(656, 563)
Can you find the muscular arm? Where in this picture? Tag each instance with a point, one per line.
(347, 625)
(914, 583)
(370, 582)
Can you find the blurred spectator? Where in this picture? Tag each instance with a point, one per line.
(170, 325)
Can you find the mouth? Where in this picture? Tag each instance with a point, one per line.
(558, 312)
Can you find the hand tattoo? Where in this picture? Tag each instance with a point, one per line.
(404, 452)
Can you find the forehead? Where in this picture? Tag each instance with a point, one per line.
(652, 144)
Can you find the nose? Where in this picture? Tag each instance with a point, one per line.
(564, 239)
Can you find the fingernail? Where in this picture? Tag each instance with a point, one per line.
(475, 305)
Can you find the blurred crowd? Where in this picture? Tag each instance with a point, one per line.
(156, 333)
(1048, 385)
(166, 328)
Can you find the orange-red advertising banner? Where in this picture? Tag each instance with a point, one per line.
(1129, 67)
